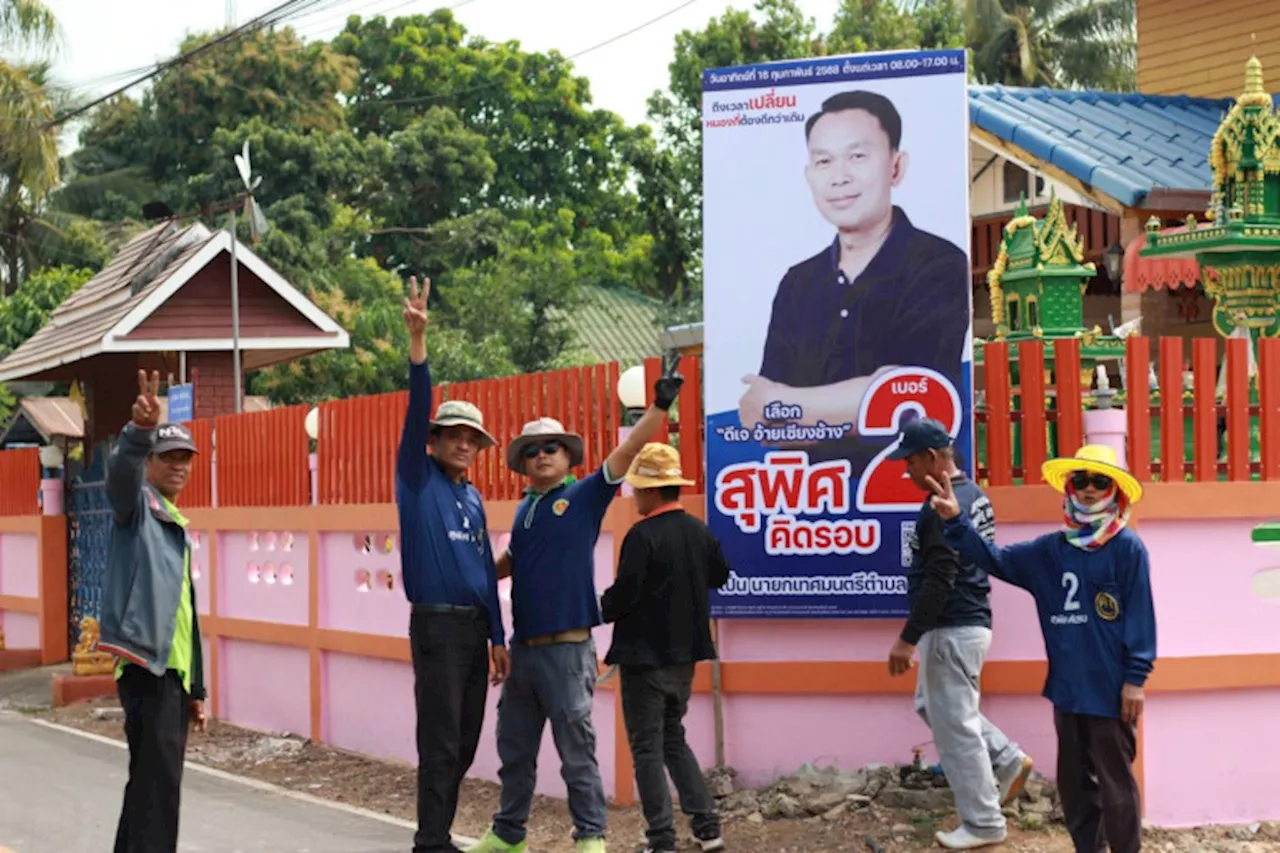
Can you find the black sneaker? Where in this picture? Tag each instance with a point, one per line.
(647, 849)
(709, 845)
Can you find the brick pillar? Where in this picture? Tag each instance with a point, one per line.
(110, 385)
(214, 377)
(1131, 228)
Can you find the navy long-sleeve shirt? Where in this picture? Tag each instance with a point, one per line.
(1096, 610)
(445, 554)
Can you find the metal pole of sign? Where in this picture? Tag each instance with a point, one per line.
(717, 694)
(235, 316)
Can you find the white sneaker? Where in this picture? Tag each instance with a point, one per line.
(1013, 780)
(962, 839)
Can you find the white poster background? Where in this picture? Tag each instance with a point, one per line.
(759, 217)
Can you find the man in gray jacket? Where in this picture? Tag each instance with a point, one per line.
(150, 620)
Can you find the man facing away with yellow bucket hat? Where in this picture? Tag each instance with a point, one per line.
(661, 611)
(1092, 587)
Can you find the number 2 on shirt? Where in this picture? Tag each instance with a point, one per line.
(884, 485)
(1071, 583)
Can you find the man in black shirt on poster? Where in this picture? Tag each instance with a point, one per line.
(662, 614)
(882, 294)
(950, 623)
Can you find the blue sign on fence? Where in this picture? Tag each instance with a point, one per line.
(181, 403)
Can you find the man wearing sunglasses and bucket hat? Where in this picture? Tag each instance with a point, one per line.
(446, 562)
(551, 561)
(1092, 588)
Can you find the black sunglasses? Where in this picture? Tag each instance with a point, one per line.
(550, 448)
(1082, 480)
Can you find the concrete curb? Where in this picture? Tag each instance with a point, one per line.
(459, 840)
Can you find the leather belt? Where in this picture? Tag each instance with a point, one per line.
(575, 635)
(460, 609)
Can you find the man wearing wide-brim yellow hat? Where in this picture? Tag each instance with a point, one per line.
(1093, 459)
(1092, 588)
(661, 614)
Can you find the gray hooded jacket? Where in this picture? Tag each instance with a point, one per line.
(146, 560)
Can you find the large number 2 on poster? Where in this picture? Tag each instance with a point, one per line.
(884, 485)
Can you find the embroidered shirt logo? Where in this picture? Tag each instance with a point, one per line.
(1107, 606)
(560, 506)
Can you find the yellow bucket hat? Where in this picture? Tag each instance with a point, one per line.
(1097, 459)
(655, 466)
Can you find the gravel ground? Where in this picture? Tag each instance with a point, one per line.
(388, 787)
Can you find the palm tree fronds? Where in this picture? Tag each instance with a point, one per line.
(27, 23)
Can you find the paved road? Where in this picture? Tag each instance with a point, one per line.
(60, 793)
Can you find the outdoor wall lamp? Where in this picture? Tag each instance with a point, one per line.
(1113, 258)
(51, 456)
(631, 392)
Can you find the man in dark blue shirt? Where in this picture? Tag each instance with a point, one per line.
(551, 560)
(950, 623)
(455, 627)
(882, 294)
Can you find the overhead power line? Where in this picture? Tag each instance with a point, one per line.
(268, 18)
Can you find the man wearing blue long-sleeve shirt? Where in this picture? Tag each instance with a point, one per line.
(1092, 587)
(455, 627)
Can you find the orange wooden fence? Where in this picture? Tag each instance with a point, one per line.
(19, 481)
(1177, 434)
(1244, 422)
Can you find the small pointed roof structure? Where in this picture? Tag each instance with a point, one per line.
(168, 291)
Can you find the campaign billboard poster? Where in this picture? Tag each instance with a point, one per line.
(837, 307)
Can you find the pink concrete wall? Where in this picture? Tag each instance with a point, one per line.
(200, 572)
(361, 590)
(20, 575)
(265, 687)
(1202, 574)
(21, 630)
(19, 564)
(264, 576)
(1212, 758)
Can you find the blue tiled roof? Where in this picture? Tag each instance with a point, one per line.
(1123, 145)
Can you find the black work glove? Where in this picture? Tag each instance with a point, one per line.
(667, 389)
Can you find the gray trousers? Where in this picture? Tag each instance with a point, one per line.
(970, 748)
(556, 684)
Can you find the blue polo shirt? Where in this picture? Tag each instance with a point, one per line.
(445, 554)
(1096, 610)
(553, 585)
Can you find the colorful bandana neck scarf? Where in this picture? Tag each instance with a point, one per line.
(1089, 527)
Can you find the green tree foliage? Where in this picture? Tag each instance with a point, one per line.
(550, 148)
(1087, 43)
(25, 312)
(408, 145)
(28, 149)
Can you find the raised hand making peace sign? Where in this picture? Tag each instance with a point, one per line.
(943, 500)
(146, 409)
(415, 306)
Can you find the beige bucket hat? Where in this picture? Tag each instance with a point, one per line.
(461, 413)
(537, 432)
(655, 466)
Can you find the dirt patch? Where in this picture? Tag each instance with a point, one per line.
(389, 788)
